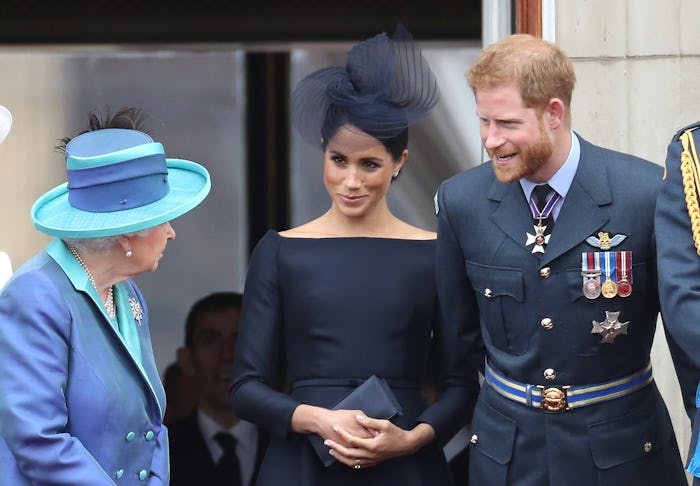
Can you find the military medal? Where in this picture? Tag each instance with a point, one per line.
(591, 288)
(590, 271)
(609, 287)
(540, 239)
(624, 265)
(610, 328)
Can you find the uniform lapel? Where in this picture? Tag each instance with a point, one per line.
(147, 367)
(585, 208)
(512, 214)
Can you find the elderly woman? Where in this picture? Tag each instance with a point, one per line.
(5, 264)
(81, 402)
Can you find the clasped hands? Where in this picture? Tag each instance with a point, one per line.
(359, 441)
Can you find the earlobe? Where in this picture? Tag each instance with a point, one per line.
(402, 161)
(555, 113)
(124, 243)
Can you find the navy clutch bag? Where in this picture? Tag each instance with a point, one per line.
(374, 397)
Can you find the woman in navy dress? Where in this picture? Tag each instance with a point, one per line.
(352, 294)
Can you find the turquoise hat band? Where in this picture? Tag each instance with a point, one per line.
(189, 183)
(74, 162)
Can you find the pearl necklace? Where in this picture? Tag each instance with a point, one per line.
(109, 302)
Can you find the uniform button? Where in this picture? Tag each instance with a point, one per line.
(143, 474)
(119, 474)
(545, 272)
(647, 447)
(130, 436)
(549, 374)
(149, 435)
(474, 439)
(547, 323)
(488, 293)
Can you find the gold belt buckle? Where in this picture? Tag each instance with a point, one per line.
(554, 398)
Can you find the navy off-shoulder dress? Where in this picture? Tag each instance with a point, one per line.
(331, 312)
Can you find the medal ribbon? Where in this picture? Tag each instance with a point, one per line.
(590, 262)
(608, 265)
(552, 201)
(624, 263)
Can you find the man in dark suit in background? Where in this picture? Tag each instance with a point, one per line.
(211, 446)
(546, 260)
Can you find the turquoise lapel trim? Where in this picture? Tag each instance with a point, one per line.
(147, 366)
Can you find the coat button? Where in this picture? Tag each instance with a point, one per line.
(149, 435)
(130, 436)
(547, 323)
(143, 474)
(119, 474)
(647, 447)
(545, 272)
(488, 293)
(474, 439)
(549, 374)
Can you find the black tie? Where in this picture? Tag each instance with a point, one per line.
(540, 193)
(228, 469)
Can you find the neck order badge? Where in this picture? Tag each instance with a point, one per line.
(543, 216)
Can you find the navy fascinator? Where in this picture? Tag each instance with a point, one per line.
(385, 86)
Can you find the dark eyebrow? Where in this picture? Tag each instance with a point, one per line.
(376, 160)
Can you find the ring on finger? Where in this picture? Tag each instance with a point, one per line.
(357, 464)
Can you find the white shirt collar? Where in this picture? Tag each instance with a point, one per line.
(246, 435)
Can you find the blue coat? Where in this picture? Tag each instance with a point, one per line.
(679, 274)
(75, 407)
(501, 294)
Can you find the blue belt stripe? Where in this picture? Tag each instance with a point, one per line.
(577, 396)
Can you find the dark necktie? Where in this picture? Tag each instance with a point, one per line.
(540, 193)
(228, 470)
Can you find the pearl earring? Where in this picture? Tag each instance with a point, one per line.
(128, 253)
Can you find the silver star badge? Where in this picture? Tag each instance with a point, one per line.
(610, 328)
(136, 310)
(539, 239)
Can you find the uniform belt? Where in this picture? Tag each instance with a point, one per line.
(562, 398)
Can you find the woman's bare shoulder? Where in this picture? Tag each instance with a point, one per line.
(312, 229)
(409, 232)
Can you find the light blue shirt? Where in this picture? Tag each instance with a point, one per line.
(562, 179)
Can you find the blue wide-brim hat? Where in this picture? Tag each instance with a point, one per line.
(119, 181)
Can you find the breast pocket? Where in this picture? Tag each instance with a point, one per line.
(500, 296)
